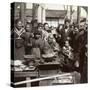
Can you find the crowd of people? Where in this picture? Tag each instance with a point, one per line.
(67, 42)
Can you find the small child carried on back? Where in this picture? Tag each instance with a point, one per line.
(68, 54)
(67, 50)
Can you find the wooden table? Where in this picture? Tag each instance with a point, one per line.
(43, 71)
(26, 74)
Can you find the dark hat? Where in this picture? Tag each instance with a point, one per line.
(34, 21)
(40, 25)
(38, 32)
(83, 20)
(76, 25)
(67, 20)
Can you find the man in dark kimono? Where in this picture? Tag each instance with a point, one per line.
(82, 50)
(18, 35)
(66, 31)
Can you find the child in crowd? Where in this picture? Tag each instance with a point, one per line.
(68, 56)
(67, 50)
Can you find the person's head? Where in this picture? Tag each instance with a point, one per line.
(37, 34)
(40, 26)
(86, 27)
(59, 28)
(50, 39)
(28, 27)
(19, 24)
(34, 23)
(72, 27)
(46, 26)
(82, 24)
(66, 43)
(67, 23)
(76, 30)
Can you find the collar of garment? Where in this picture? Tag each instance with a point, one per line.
(19, 32)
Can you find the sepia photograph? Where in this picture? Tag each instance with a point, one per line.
(49, 44)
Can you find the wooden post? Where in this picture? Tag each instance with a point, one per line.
(39, 14)
(28, 84)
(71, 14)
(22, 12)
(43, 13)
(78, 15)
(34, 11)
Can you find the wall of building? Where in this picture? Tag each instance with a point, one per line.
(41, 15)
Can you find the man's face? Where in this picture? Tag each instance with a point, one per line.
(19, 25)
(82, 25)
(67, 24)
(76, 30)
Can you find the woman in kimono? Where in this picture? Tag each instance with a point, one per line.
(37, 43)
(18, 36)
(58, 36)
(46, 31)
(53, 44)
(28, 38)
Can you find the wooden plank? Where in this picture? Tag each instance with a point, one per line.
(26, 74)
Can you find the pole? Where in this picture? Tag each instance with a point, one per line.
(39, 79)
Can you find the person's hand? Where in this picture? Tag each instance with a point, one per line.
(29, 44)
(59, 36)
(68, 38)
(76, 63)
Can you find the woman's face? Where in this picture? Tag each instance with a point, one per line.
(19, 25)
(28, 28)
(46, 27)
(66, 43)
(60, 28)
